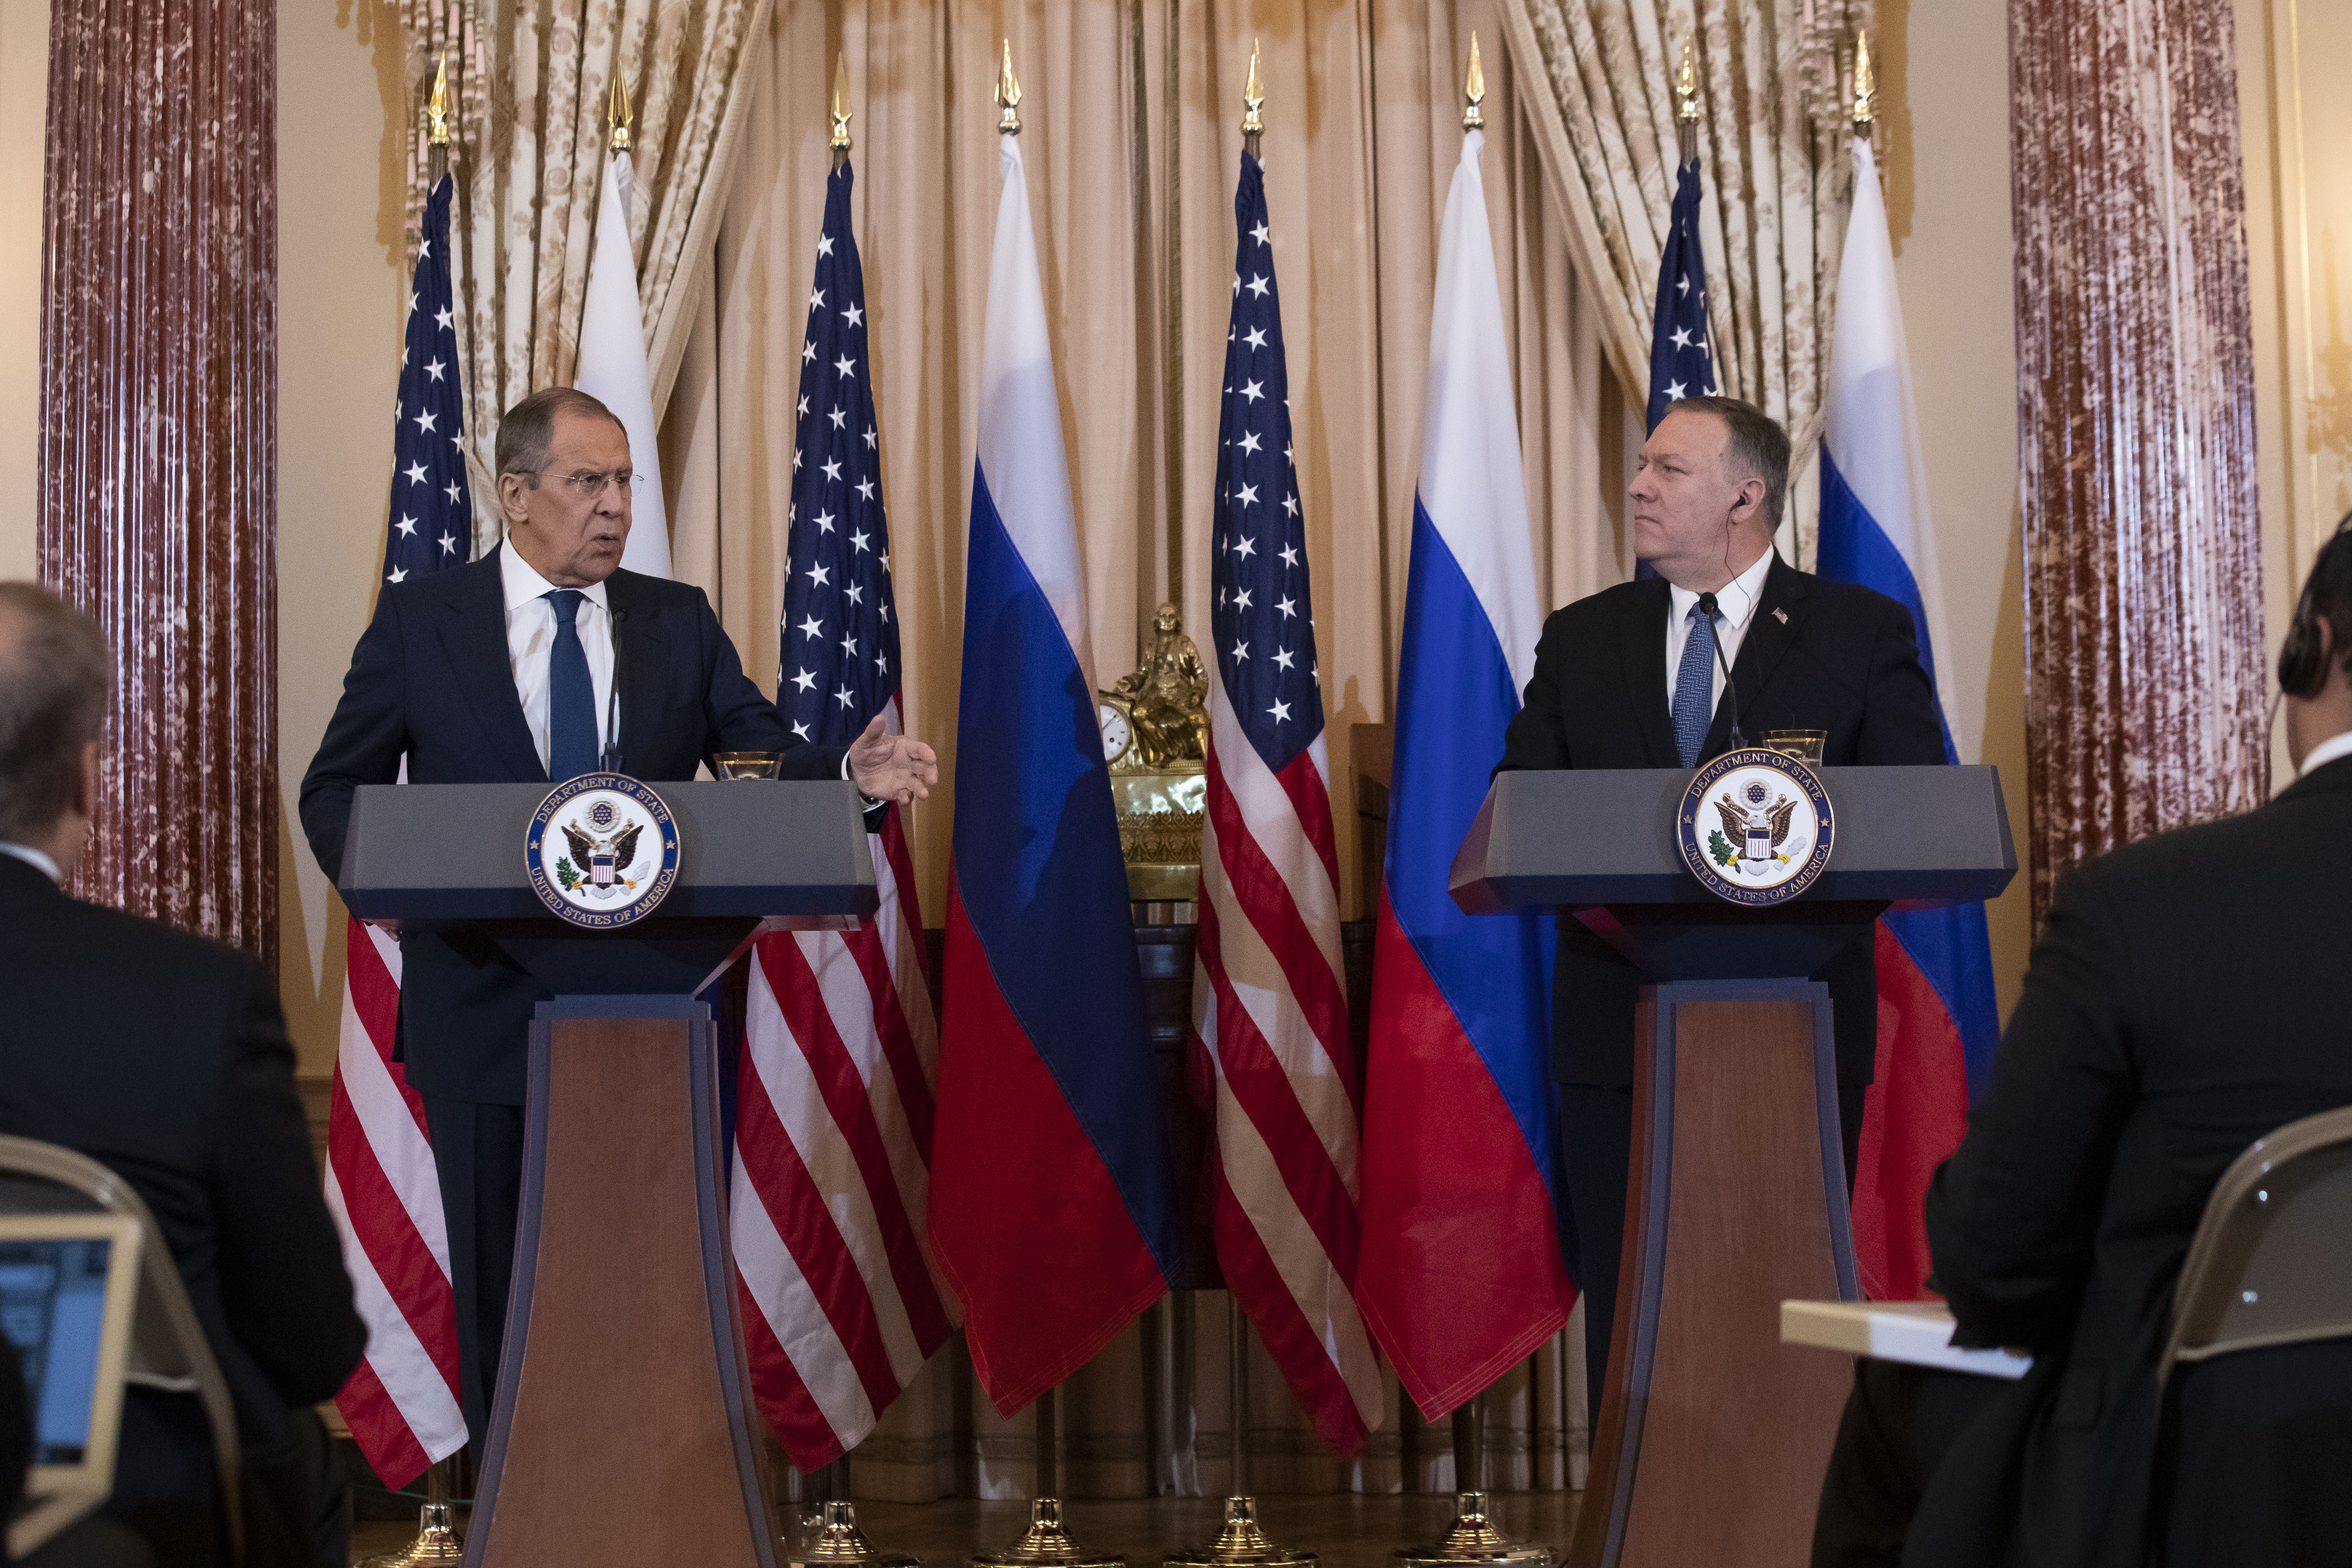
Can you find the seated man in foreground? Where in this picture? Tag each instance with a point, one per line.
(2184, 999)
(165, 1057)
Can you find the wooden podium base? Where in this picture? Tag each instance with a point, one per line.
(1712, 1440)
(621, 1432)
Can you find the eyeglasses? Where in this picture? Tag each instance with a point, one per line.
(588, 485)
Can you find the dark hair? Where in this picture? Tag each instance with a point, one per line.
(525, 430)
(53, 674)
(1757, 442)
(2327, 592)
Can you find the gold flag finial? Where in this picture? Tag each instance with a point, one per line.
(1474, 90)
(841, 103)
(1865, 85)
(617, 114)
(1253, 97)
(436, 111)
(1008, 96)
(1686, 86)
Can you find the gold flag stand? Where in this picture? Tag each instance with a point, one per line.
(1472, 1538)
(1047, 1543)
(829, 1534)
(437, 1544)
(1242, 1543)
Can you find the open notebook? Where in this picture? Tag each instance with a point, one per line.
(67, 1283)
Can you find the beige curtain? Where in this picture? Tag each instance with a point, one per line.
(531, 81)
(1772, 150)
(1132, 144)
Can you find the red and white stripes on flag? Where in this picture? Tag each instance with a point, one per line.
(829, 1207)
(402, 1402)
(1273, 1062)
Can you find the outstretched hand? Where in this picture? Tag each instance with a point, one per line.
(892, 767)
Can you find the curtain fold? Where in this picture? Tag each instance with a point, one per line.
(1774, 79)
(530, 81)
(1132, 140)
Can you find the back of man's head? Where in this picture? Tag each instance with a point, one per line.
(53, 675)
(1758, 445)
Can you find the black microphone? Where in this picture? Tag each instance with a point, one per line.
(609, 760)
(1706, 608)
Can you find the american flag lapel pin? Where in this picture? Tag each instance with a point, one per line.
(1782, 616)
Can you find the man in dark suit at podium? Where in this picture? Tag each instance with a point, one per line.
(538, 663)
(1658, 674)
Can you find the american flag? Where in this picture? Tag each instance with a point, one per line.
(1270, 1059)
(1681, 365)
(842, 1303)
(400, 1405)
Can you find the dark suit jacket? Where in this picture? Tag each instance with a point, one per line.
(431, 678)
(2186, 997)
(1844, 660)
(165, 1057)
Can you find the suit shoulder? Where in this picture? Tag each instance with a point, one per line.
(666, 592)
(157, 950)
(1594, 610)
(1851, 599)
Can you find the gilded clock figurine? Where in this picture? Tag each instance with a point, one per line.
(1155, 735)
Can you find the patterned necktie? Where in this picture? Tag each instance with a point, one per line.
(1695, 688)
(570, 694)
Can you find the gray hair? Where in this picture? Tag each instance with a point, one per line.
(54, 669)
(526, 429)
(1757, 442)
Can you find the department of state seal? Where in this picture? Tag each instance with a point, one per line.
(1754, 826)
(616, 850)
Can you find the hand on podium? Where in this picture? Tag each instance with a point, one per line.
(892, 767)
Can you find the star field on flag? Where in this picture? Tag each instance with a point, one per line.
(431, 525)
(1266, 641)
(1681, 364)
(839, 663)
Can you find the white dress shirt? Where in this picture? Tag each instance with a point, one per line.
(531, 641)
(1735, 604)
(37, 859)
(2319, 756)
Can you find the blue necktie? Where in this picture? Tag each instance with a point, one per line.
(1694, 688)
(570, 694)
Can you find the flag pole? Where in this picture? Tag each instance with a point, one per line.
(1242, 1542)
(1865, 87)
(840, 112)
(1686, 107)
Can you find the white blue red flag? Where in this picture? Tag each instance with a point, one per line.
(1271, 1061)
(1460, 1274)
(401, 1403)
(834, 1093)
(1053, 1207)
(611, 366)
(1937, 1021)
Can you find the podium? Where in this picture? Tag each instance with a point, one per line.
(622, 1431)
(1712, 1438)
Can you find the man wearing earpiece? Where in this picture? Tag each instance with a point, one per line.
(1661, 674)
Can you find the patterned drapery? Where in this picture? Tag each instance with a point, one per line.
(1772, 151)
(2145, 662)
(158, 505)
(531, 81)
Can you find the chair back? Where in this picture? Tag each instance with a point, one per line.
(168, 1347)
(2270, 1264)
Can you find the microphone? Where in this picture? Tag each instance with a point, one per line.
(1707, 607)
(609, 760)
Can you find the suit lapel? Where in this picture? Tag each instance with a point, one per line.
(1644, 652)
(1770, 635)
(474, 636)
(641, 658)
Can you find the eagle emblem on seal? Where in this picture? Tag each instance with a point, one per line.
(603, 858)
(1759, 832)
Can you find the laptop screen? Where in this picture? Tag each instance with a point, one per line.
(53, 1306)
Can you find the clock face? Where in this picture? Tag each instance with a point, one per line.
(1115, 733)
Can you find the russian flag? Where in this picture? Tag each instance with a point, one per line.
(1053, 1212)
(1460, 1275)
(1938, 1022)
